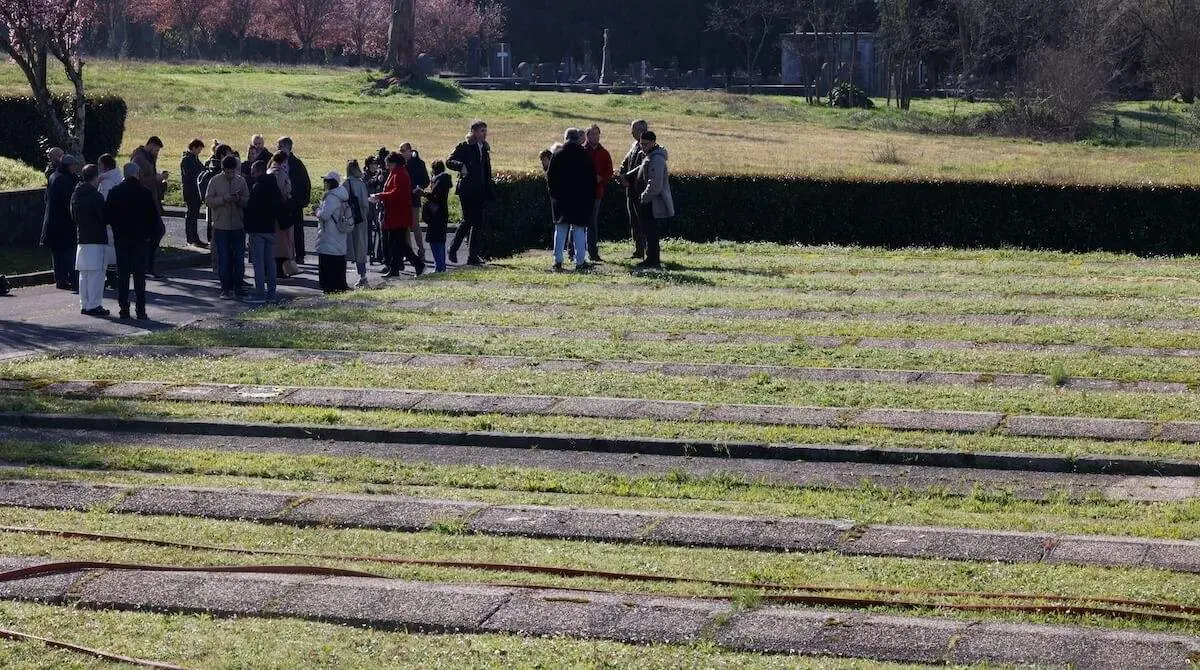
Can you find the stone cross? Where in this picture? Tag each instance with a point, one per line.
(604, 60)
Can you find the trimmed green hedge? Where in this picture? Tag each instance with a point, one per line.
(105, 128)
(1146, 220)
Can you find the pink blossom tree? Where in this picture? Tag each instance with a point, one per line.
(188, 17)
(362, 26)
(307, 23)
(445, 26)
(32, 32)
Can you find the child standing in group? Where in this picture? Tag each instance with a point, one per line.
(436, 214)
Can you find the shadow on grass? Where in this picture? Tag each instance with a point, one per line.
(668, 275)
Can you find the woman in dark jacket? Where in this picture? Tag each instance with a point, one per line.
(436, 214)
(87, 211)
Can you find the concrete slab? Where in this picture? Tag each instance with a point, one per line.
(1114, 551)
(950, 543)
(396, 399)
(73, 389)
(409, 515)
(553, 366)
(778, 630)
(1152, 489)
(901, 419)
(223, 594)
(781, 534)
(665, 620)
(385, 603)
(1177, 556)
(341, 398)
(552, 522)
(51, 589)
(601, 408)
(524, 404)
(455, 403)
(669, 410)
(1180, 431)
(197, 392)
(802, 416)
(222, 504)
(1079, 427)
(58, 495)
(132, 390)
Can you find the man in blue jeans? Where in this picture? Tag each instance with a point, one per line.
(227, 197)
(264, 208)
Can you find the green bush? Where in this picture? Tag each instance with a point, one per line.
(105, 120)
(1147, 220)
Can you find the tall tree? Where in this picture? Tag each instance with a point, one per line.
(310, 23)
(1173, 31)
(362, 27)
(402, 35)
(187, 17)
(749, 23)
(32, 32)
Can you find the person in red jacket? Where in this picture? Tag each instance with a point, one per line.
(396, 199)
(603, 162)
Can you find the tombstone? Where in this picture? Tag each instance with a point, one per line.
(702, 80)
(474, 56)
(643, 73)
(604, 60)
(524, 70)
(427, 65)
(587, 56)
(503, 61)
(545, 72)
(658, 77)
(562, 73)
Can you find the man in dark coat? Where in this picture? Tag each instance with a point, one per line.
(132, 210)
(58, 229)
(418, 174)
(54, 156)
(572, 182)
(301, 192)
(190, 169)
(472, 159)
(634, 185)
(146, 158)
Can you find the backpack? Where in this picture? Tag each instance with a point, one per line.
(355, 205)
(343, 219)
(206, 177)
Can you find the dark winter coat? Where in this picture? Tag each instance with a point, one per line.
(253, 157)
(631, 172)
(87, 210)
(301, 191)
(479, 183)
(436, 211)
(572, 182)
(266, 205)
(58, 229)
(418, 174)
(132, 212)
(190, 168)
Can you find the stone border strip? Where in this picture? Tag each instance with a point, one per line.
(711, 370)
(392, 513)
(815, 475)
(1032, 462)
(816, 341)
(845, 316)
(951, 421)
(423, 607)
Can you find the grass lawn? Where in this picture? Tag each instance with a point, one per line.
(16, 175)
(332, 120)
(20, 260)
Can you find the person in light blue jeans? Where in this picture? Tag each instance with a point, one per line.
(264, 209)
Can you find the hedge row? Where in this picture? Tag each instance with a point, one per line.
(105, 128)
(1145, 220)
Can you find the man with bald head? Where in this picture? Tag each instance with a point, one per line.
(132, 210)
(634, 183)
(54, 156)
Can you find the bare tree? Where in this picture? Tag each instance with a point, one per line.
(1173, 31)
(402, 35)
(750, 23)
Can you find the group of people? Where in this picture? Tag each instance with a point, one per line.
(578, 171)
(100, 215)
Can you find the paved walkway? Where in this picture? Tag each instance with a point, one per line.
(42, 318)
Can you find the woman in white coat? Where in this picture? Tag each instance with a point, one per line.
(334, 223)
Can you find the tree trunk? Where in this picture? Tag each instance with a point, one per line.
(402, 32)
(117, 42)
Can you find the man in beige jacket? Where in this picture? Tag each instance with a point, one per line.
(226, 197)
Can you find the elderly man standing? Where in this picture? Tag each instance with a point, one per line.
(146, 158)
(227, 197)
(58, 229)
(603, 162)
(301, 193)
(133, 214)
(54, 156)
(572, 182)
(657, 204)
(634, 185)
(472, 159)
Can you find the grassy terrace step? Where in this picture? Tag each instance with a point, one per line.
(607, 525)
(602, 300)
(716, 371)
(406, 605)
(204, 641)
(326, 546)
(630, 408)
(1128, 365)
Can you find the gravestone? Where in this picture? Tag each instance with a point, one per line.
(524, 70)
(474, 57)
(701, 79)
(427, 64)
(545, 72)
(503, 61)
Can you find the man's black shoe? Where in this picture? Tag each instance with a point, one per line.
(453, 256)
(124, 316)
(142, 316)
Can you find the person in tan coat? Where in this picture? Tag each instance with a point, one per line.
(226, 197)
